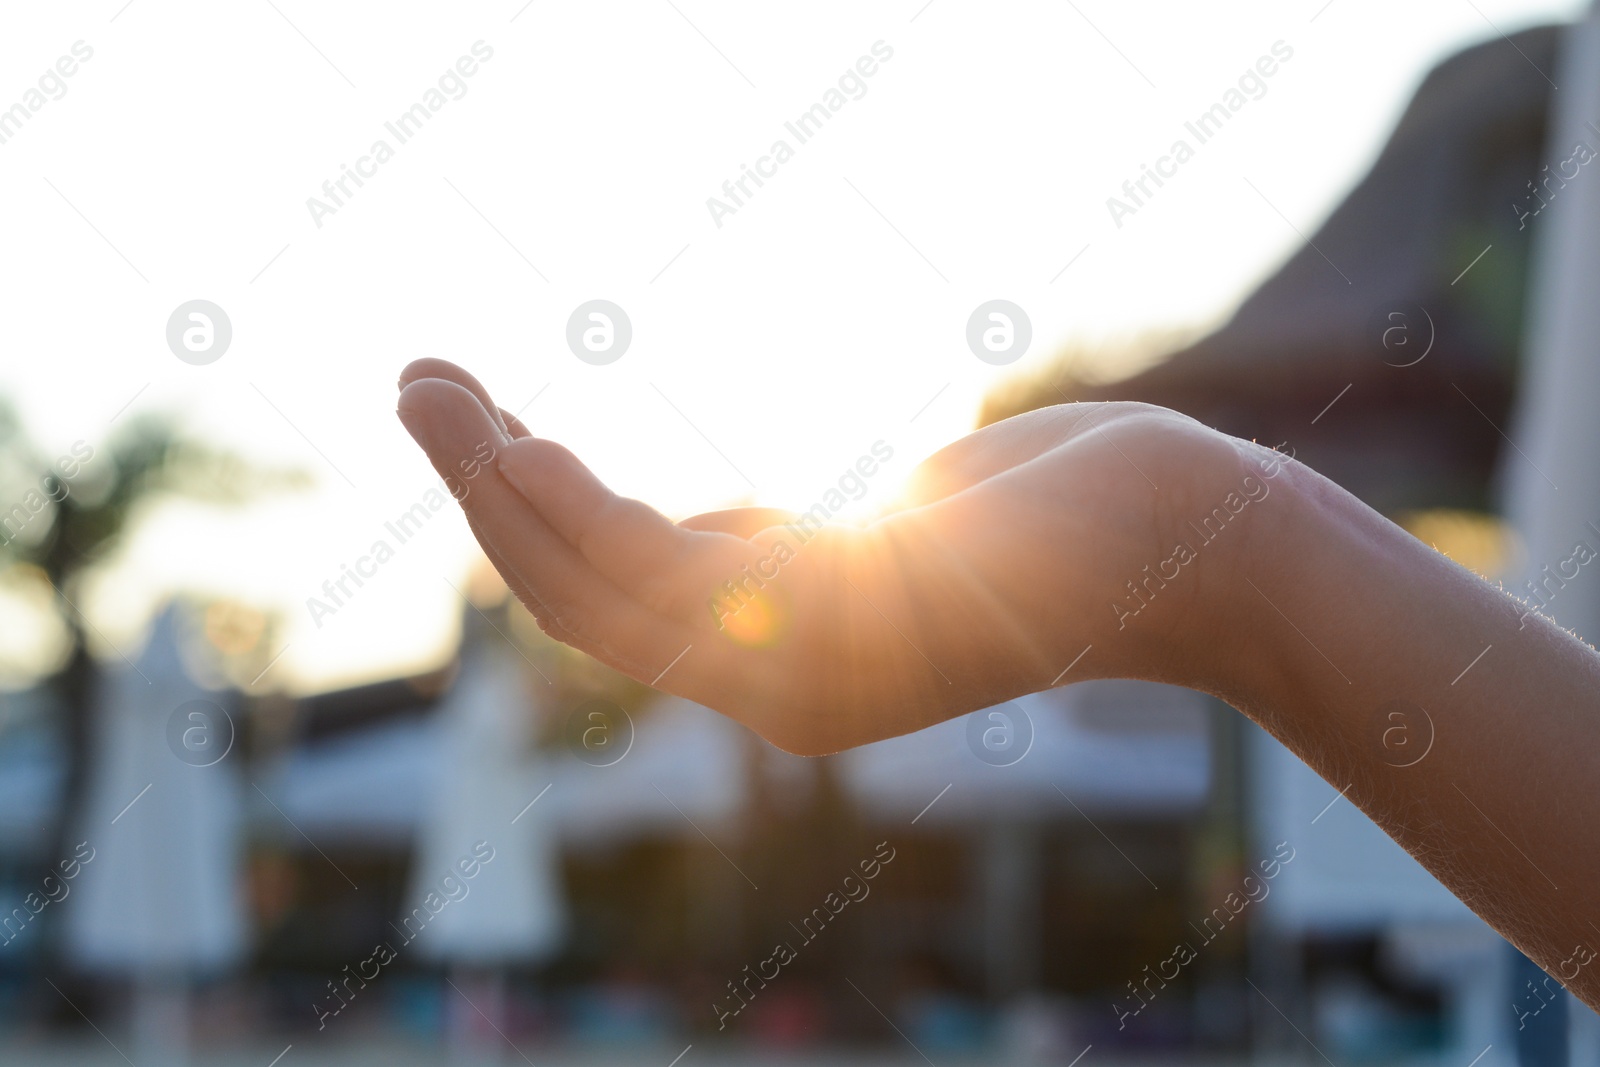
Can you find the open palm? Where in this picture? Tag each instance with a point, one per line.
(1004, 564)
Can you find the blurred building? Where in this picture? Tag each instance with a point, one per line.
(1387, 353)
(1047, 855)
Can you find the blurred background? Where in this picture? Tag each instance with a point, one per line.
(285, 773)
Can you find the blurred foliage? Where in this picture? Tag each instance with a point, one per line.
(61, 514)
(93, 500)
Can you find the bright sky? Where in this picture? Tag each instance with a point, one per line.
(827, 313)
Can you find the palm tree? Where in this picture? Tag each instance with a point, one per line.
(62, 523)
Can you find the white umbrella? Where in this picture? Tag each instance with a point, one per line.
(485, 887)
(159, 901)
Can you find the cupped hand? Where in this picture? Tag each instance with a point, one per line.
(1006, 561)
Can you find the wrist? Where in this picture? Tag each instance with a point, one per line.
(1236, 510)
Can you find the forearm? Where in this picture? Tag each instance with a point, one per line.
(1101, 536)
(1371, 646)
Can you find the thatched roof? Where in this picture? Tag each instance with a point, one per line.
(1442, 190)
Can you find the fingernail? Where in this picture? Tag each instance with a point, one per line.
(414, 425)
(512, 475)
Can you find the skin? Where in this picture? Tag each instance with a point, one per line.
(1012, 559)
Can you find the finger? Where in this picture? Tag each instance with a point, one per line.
(444, 370)
(671, 569)
(514, 425)
(449, 422)
(991, 450)
(741, 522)
(519, 588)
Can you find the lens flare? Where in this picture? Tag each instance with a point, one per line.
(756, 622)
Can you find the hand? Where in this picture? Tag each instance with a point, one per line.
(1006, 561)
(1126, 528)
